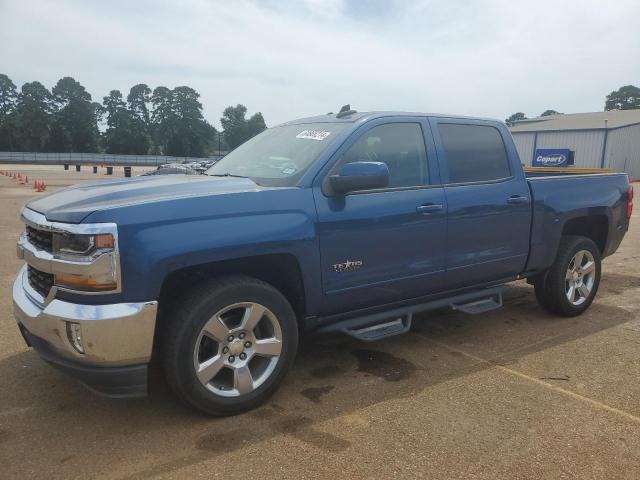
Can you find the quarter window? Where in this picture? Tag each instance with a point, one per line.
(474, 153)
(400, 146)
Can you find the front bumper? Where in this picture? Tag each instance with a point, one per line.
(117, 338)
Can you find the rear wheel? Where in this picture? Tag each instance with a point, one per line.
(228, 345)
(570, 285)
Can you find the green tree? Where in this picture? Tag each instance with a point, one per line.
(112, 105)
(514, 118)
(179, 126)
(33, 117)
(126, 133)
(8, 97)
(162, 118)
(625, 98)
(59, 139)
(186, 105)
(237, 129)
(234, 125)
(128, 136)
(256, 124)
(546, 113)
(76, 115)
(139, 99)
(193, 133)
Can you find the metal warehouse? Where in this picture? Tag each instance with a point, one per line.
(588, 140)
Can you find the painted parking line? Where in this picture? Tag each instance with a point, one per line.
(542, 383)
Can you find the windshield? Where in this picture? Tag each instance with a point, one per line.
(279, 156)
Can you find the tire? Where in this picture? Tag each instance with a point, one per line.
(554, 288)
(196, 344)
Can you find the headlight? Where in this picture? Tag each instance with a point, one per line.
(81, 245)
(97, 250)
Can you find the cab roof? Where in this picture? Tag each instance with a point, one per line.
(361, 117)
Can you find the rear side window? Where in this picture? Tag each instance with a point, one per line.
(475, 153)
(400, 146)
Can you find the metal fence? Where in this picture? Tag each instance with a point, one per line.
(105, 159)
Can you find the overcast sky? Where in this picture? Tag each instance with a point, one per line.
(290, 58)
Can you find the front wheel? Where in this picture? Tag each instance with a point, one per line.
(228, 345)
(570, 285)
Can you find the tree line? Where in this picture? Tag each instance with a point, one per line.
(625, 98)
(161, 121)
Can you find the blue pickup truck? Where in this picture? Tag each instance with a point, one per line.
(344, 223)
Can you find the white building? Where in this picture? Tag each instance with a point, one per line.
(600, 139)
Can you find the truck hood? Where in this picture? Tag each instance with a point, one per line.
(75, 203)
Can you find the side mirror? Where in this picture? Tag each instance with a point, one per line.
(360, 176)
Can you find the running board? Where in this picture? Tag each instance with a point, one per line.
(481, 305)
(381, 330)
(383, 324)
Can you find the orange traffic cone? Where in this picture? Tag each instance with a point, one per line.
(35, 185)
(26, 180)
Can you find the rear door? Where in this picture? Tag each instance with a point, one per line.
(489, 206)
(383, 245)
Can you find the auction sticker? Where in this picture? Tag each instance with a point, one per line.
(313, 134)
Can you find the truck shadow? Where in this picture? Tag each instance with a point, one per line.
(333, 377)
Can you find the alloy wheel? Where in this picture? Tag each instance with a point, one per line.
(580, 277)
(237, 349)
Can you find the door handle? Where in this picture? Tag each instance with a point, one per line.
(517, 199)
(429, 208)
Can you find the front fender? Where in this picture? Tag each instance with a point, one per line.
(159, 238)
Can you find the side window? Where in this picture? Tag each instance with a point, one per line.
(474, 153)
(400, 146)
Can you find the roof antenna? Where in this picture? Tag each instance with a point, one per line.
(345, 111)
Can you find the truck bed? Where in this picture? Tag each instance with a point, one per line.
(531, 172)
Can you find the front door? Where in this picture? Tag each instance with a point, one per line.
(384, 245)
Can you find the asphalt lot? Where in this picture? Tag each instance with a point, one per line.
(514, 393)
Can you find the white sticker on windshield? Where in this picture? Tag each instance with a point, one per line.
(313, 134)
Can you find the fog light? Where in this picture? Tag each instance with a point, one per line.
(74, 334)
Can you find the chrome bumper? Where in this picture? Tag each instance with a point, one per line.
(112, 335)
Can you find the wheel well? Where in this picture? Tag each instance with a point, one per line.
(282, 271)
(594, 227)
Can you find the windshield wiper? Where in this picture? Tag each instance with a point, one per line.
(226, 175)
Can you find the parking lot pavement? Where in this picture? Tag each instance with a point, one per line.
(514, 393)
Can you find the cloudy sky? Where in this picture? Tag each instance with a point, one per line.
(290, 58)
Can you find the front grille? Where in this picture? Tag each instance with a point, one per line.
(41, 239)
(41, 282)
